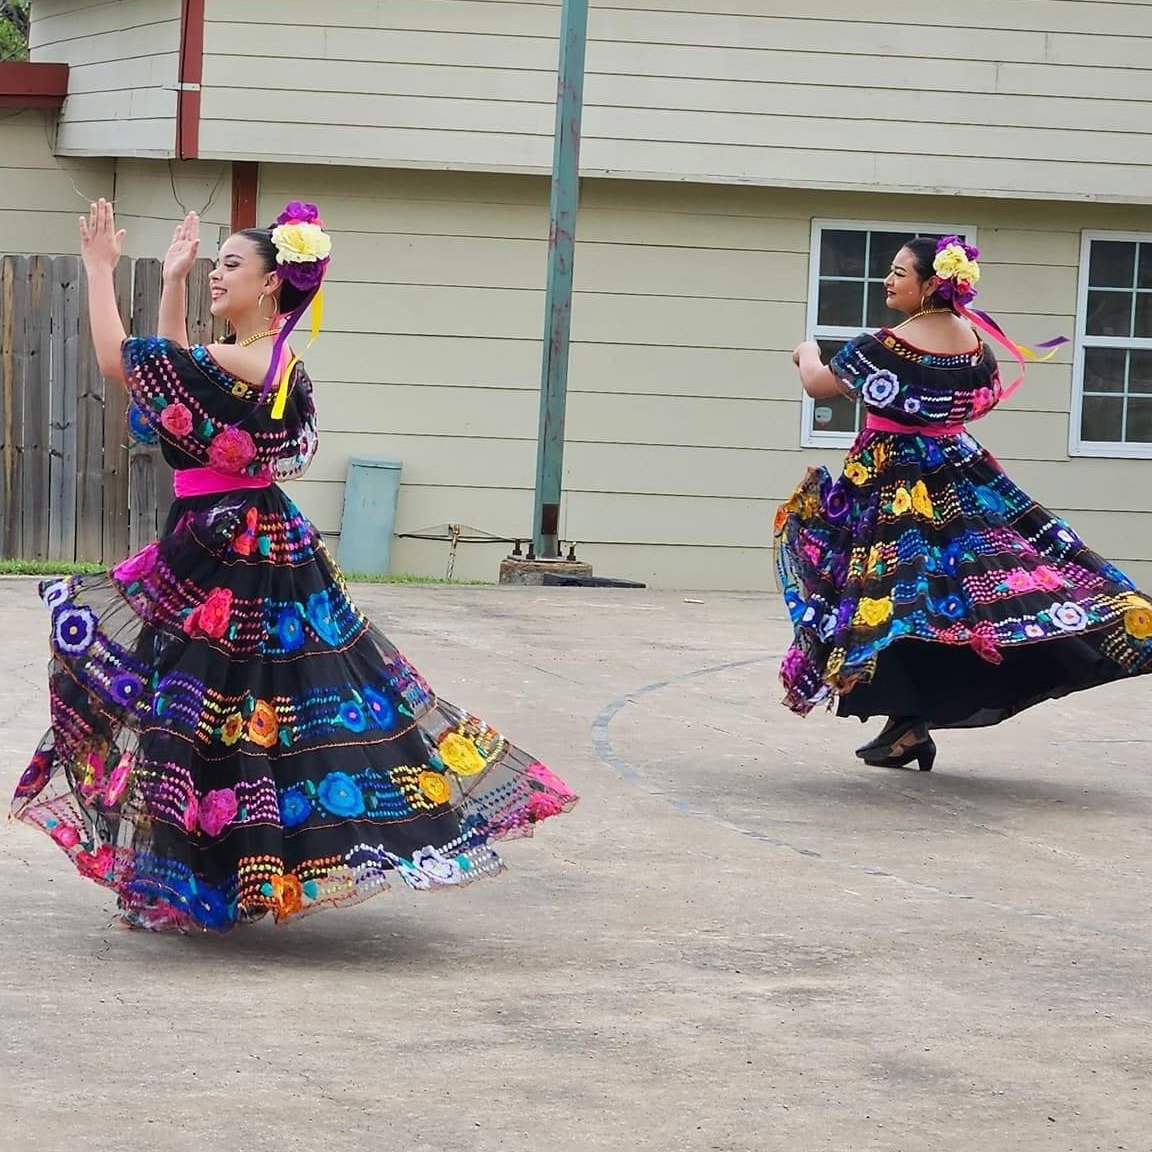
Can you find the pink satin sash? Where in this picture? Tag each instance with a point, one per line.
(211, 481)
(874, 423)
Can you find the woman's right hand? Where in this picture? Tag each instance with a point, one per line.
(100, 242)
(181, 254)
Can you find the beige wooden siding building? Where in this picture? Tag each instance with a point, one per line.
(726, 155)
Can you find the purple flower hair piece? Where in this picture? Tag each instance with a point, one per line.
(297, 212)
(306, 277)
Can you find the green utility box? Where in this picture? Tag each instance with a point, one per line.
(370, 494)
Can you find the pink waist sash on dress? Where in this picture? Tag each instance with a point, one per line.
(874, 423)
(210, 481)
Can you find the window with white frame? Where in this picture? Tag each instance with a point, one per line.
(849, 261)
(1112, 370)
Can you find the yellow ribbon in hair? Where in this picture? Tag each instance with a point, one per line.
(282, 392)
(317, 315)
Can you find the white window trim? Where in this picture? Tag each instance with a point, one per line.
(810, 437)
(1102, 448)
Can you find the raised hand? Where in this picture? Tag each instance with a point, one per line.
(100, 242)
(181, 254)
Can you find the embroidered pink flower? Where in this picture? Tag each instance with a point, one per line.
(66, 835)
(211, 618)
(245, 541)
(550, 797)
(191, 813)
(176, 419)
(137, 567)
(217, 810)
(118, 781)
(1048, 579)
(983, 643)
(793, 667)
(983, 400)
(231, 450)
(1021, 581)
(97, 865)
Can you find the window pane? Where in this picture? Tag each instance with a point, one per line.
(1109, 314)
(1139, 427)
(885, 245)
(841, 303)
(1140, 372)
(879, 313)
(842, 252)
(1112, 264)
(1143, 314)
(1102, 418)
(1104, 369)
(836, 414)
(1144, 267)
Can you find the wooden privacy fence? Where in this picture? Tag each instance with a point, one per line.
(72, 486)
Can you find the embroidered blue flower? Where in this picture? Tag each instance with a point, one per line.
(295, 807)
(880, 388)
(290, 628)
(951, 607)
(993, 501)
(55, 592)
(340, 794)
(351, 715)
(320, 615)
(75, 630)
(380, 708)
(140, 427)
(126, 689)
(209, 906)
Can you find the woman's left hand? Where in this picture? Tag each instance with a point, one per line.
(100, 243)
(800, 349)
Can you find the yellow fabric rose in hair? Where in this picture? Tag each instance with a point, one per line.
(953, 263)
(301, 243)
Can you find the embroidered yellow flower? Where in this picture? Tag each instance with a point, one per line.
(461, 755)
(901, 502)
(856, 472)
(1138, 622)
(263, 727)
(921, 501)
(835, 663)
(232, 728)
(873, 612)
(301, 243)
(880, 456)
(435, 787)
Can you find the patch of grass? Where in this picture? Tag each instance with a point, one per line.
(409, 578)
(72, 568)
(48, 568)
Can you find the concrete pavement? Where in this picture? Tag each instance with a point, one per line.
(741, 940)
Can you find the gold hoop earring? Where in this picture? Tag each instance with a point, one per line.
(260, 309)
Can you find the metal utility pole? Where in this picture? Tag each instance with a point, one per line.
(561, 252)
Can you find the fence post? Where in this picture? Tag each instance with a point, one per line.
(66, 323)
(14, 290)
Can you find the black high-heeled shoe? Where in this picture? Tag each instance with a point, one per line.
(923, 752)
(897, 727)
